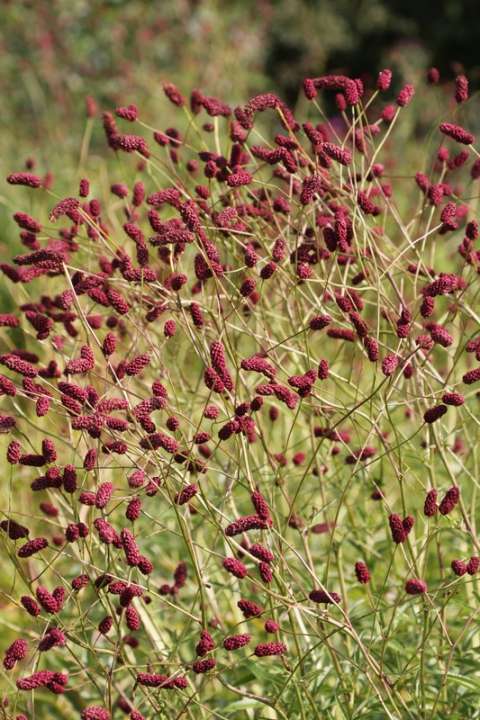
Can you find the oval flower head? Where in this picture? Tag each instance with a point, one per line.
(415, 586)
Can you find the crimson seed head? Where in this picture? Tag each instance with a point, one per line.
(135, 715)
(261, 552)
(136, 479)
(249, 608)
(440, 335)
(130, 547)
(170, 328)
(235, 567)
(332, 82)
(430, 507)
(457, 132)
(415, 587)
(472, 376)
(59, 595)
(162, 681)
(459, 567)
(408, 522)
(180, 575)
(359, 323)
(461, 89)
(234, 642)
(14, 530)
(322, 596)
(173, 423)
(16, 364)
(69, 479)
(173, 94)
(47, 600)
(266, 572)
(24, 178)
(453, 398)
(270, 648)
(400, 528)
(95, 712)
(14, 452)
(8, 320)
(53, 637)
(15, 652)
(243, 524)
(27, 222)
(186, 494)
(203, 666)
(30, 605)
(362, 573)
(145, 565)
(205, 644)
(90, 460)
(103, 495)
(247, 287)
(309, 89)
(435, 413)
(341, 155)
(197, 315)
(405, 95)
(135, 366)
(371, 346)
(129, 112)
(105, 625)
(43, 678)
(84, 188)
(133, 510)
(32, 546)
(132, 618)
(72, 532)
(323, 370)
(390, 364)
(271, 626)
(384, 80)
(260, 505)
(473, 565)
(475, 171)
(451, 499)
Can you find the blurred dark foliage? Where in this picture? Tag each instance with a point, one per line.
(361, 36)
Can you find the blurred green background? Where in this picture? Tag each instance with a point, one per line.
(55, 52)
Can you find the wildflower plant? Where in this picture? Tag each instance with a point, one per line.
(239, 403)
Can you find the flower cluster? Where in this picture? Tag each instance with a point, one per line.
(243, 365)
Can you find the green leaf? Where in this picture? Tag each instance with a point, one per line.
(467, 682)
(243, 704)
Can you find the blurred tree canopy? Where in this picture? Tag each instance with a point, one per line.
(361, 36)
